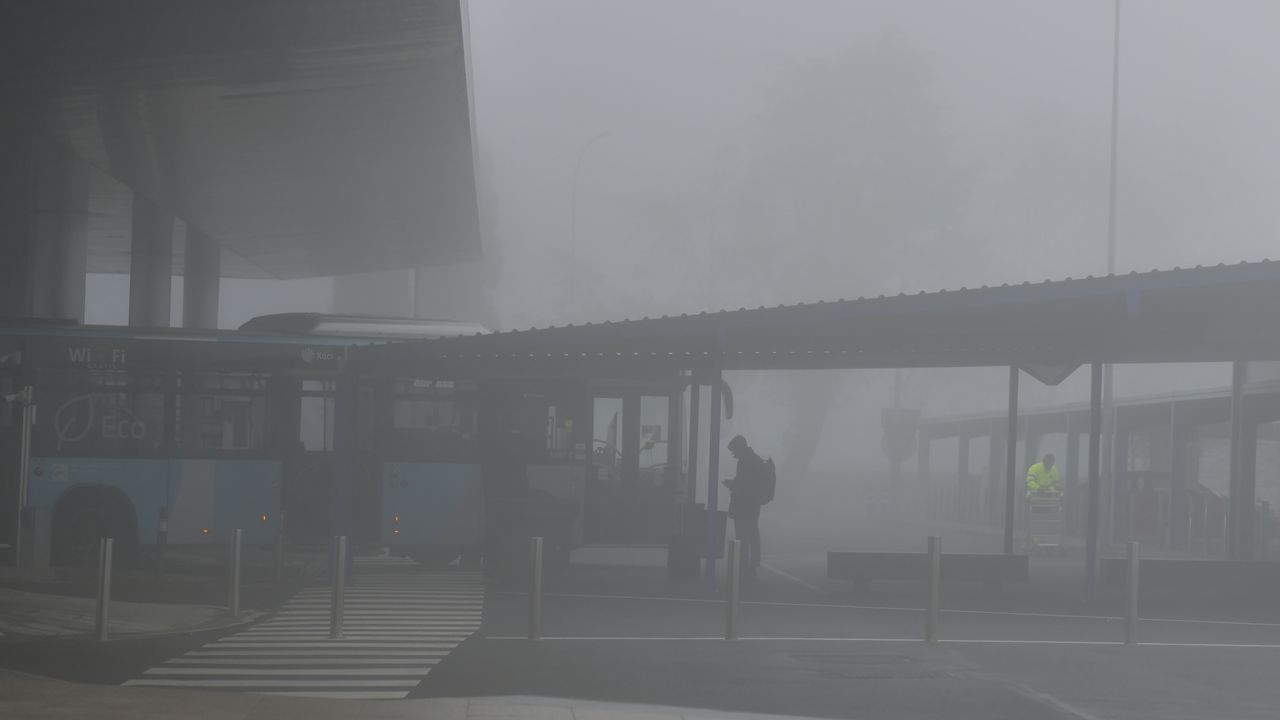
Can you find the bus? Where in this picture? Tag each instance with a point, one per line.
(190, 435)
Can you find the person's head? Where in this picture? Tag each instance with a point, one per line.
(738, 445)
(1048, 461)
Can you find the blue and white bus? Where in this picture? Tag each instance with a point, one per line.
(196, 433)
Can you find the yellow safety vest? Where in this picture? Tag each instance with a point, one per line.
(1041, 480)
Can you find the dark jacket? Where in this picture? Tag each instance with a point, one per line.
(747, 485)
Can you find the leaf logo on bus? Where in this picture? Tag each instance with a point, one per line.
(73, 420)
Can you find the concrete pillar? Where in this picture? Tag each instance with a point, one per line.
(201, 275)
(150, 265)
(61, 232)
(385, 294)
(43, 218)
(18, 202)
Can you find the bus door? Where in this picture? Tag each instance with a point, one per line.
(224, 466)
(309, 462)
(431, 505)
(632, 489)
(309, 465)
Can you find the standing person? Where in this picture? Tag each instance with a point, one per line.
(748, 492)
(1042, 478)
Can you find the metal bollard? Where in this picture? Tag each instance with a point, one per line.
(101, 616)
(935, 580)
(162, 541)
(337, 605)
(233, 584)
(535, 588)
(1131, 604)
(733, 585)
(280, 550)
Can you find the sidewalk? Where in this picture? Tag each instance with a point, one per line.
(27, 615)
(31, 698)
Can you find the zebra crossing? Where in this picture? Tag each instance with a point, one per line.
(399, 622)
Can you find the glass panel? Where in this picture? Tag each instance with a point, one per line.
(607, 431)
(653, 435)
(217, 412)
(435, 419)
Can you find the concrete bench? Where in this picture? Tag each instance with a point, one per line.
(1244, 577)
(864, 567)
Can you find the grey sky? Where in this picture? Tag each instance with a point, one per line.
(1016, 97)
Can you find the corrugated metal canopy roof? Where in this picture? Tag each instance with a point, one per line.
(1195, 315)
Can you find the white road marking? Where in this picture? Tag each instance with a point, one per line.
(396, 629)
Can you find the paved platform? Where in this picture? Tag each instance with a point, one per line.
(27, 615)
(30, 698)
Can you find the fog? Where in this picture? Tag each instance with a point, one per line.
(731, 154)
(648, 158)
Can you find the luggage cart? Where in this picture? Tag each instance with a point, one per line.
(1044, 521)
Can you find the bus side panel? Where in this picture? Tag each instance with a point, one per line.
(222, 495)
(436, 503)
(142, 480)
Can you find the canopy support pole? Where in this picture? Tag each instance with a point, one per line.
(1095, 490)
(713, 477)
(1010, 460)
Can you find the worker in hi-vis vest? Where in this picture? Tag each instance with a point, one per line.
(1042, 478)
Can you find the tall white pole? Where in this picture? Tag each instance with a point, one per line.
(1108, 412)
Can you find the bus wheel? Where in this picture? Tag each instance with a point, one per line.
(83, 518)
(434, 558)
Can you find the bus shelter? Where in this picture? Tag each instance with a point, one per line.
(1048, 329)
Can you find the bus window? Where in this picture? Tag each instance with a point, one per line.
(437, 419)
(316, 416)
(223, 412)
(315, 423)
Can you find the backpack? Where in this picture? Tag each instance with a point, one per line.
(769, 481)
